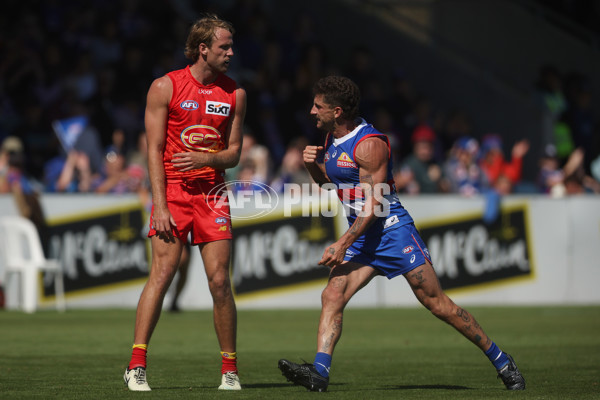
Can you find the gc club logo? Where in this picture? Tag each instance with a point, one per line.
(202, 137)
(245, 199)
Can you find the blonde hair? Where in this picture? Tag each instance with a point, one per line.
(203, 31)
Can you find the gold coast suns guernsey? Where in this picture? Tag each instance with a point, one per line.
(199, 116)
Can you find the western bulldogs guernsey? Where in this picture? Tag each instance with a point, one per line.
(391, 244)
(342, 170)
(198, 119)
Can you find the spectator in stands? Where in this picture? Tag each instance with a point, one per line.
(461, 172)
(117, 144)
(10, 145)
(580, 119)
(292, 169)
(14, 180)
(549, 91)
(114, 177)
(137, 160)
(494, 165)
(560, 180)
(420, 174)
(254, 162)
(457, 125)
(71, 174)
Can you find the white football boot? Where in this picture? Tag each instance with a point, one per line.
(135, 379)
(230, 381)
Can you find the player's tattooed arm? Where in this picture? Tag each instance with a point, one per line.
(367, 188)
(371, 156)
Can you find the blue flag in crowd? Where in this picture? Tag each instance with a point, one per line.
(68, 130)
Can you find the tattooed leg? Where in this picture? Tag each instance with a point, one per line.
(345, 280)
(330, 324)
(428, 291)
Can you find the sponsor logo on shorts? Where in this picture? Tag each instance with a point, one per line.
(221, 220)
(189, 105)
(412, 259)
(408, 249)
(222, 228)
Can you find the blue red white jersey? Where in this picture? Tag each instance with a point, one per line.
(343, 171)
(198, 120)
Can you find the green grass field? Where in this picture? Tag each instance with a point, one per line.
(384, 354)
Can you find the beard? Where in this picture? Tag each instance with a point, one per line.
(325, 126)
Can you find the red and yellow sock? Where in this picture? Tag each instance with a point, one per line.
(138, 356)
(229, 362)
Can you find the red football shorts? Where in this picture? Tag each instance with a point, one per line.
(198, 208)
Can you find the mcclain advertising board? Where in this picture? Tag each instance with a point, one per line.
(98, 249)
(468, 252)
(277, 252)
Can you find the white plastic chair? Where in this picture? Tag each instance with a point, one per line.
(21, 253)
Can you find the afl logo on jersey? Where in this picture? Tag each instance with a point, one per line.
(217, 108)
(202, 137)
(189, 105)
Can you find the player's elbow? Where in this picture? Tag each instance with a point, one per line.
(232, 160)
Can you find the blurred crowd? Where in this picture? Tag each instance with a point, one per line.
(93, 62)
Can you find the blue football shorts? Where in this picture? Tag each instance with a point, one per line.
(396, 251)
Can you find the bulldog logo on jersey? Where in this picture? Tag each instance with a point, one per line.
(344, 161)
(217, 108)
(202, 137)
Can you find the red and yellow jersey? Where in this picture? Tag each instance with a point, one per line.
(198, 120)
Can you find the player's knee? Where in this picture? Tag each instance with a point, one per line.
(161, 277)
(439, 308)
(332, 297)
(219, 285)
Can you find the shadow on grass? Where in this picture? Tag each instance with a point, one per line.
(202, 387)
(266, 385)
(412, 387)
(342, 387)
